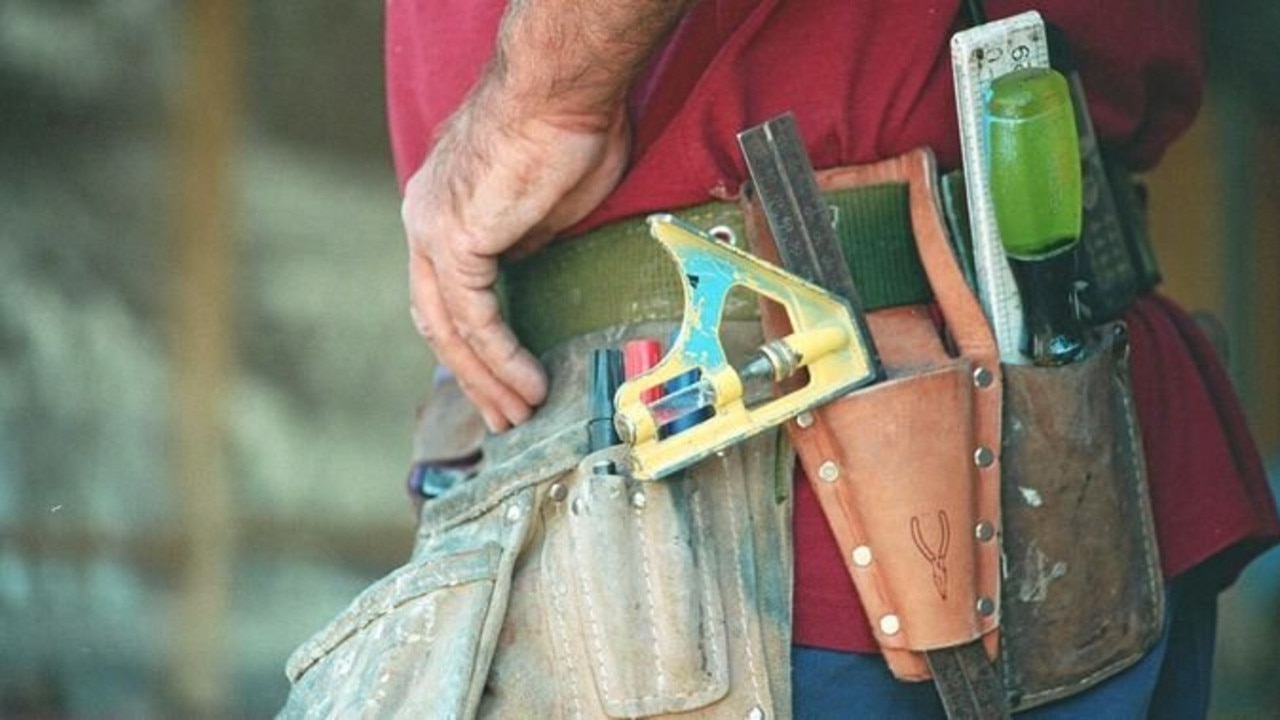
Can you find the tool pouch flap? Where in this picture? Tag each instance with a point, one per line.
(1083, 596)
(906, 469)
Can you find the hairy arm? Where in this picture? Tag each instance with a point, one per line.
(539, 142)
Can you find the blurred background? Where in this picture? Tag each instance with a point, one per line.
(207, 374)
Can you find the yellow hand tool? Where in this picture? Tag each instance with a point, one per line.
(827, 342)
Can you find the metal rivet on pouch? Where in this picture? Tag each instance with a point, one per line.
(890, 625)
(982, 377)
(986, 606)
(514, 513)
(755, 713)
(579, 507)
(984, 531)
(862, 556)
(805, 419)
(983, 457)
(829, 471)
(558, 492)
(638, 500)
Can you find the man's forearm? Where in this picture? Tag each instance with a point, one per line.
(577, 58)
(538, 144)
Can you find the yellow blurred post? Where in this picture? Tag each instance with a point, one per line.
(203, 350)
(1190, 229)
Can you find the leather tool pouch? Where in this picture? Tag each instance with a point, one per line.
(542, 587)
(922, 491)
(641, 599)
(1083, 594)
(906, 470)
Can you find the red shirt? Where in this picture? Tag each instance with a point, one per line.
(866, 81)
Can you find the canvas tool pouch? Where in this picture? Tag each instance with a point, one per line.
(549, 585)
(906, 470)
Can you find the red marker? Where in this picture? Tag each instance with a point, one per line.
(637, 357)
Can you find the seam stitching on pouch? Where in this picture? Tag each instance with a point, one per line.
(742, 600)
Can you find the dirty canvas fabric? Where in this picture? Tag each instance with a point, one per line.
(544, 587)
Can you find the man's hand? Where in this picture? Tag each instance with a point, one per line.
(490, 183)
(540, 142)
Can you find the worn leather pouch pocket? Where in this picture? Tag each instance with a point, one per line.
(639, 602)
(421, 626)
(419, 642)
(1083, 595)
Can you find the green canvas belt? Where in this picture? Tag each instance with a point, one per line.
(618, 274)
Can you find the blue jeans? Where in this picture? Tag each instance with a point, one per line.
(1172, 681)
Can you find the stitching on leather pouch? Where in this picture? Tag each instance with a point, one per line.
(461, 569)
(558, 592)
(709, 644)
(1134, 447)
(712, 646)
(561, 452)
(708, 582)
(649, 599)
(742, 600)
(585, 589)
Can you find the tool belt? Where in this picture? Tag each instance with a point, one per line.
(925, 495)
(541, 587)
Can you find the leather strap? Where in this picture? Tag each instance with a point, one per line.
(849, 474)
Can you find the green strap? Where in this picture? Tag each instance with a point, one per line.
(618, 274)
(873, 224)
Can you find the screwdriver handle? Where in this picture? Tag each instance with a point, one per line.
(1034, 167)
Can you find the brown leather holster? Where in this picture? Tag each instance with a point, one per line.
(955, 475)
(907, 470)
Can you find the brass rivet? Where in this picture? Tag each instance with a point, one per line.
(558, 492)
(984, 531)
(862, 556)
(986, 606)
(890, 625)
(804, 419)
(983, 457)
(829, 471)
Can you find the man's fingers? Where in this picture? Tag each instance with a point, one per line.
(500, 405)
(477, 316)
